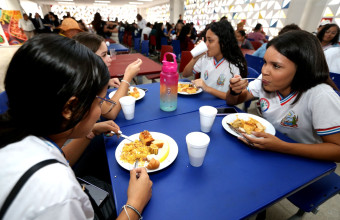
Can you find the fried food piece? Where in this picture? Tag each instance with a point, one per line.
(188, 88)
(146, 138)
(153, 149)
(248, 126)
(158, 143)
(134, 93)
(153, 164)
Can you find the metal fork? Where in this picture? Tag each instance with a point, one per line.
(135, 166)
(241, 134)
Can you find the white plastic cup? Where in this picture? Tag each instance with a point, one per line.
(197, 143)
(128, 106)
(113, 54)
(199, 49)
(207, 117)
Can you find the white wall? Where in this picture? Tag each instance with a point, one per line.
(306, 13)
(10, 4)
(176, 8)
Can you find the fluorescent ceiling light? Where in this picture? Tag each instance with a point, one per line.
(66, 3)
(144, 0)
(136, 3)
(64, 0)
(102, 1)
(101, 4)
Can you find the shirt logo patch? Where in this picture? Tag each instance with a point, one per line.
(220, 80)
(206, 75)
(264, 104)
(290, 120)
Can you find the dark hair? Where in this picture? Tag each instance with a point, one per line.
(201, 35)
(228, 45)
(258, 27)
(321, 33)
(289, 27)
(304, 50)
(42, 76)
(90, 40)
(242, 32)
(139, 17)
(96, 23)
(168, 26)
(223, 18)
(184, 32)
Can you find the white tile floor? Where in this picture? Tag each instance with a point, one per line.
(330, 210)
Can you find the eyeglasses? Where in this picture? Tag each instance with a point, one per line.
(112, 104)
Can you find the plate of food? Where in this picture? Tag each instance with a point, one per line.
(153, 150)
(246, 123)
(135, 92)
(186, 88)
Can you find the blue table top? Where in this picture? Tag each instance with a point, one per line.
(234, 181)
(148, 108)
(118, 48)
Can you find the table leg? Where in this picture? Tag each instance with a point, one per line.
(139, 80)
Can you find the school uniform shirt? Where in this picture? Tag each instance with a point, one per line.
(26, 25)
(315, 114)
(50, 193)
(141, 24)
(332, 56)
(215, 74)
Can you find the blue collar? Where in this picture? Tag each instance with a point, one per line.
(50, 141)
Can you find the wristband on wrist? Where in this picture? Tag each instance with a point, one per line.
(233, 93)
(126, 212)
(134, 209)
(123, 80)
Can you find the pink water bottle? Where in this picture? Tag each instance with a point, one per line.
(169, 84)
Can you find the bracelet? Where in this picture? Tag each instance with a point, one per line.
(126, 212)
(134, 209)
(233, 93)
(123, 80)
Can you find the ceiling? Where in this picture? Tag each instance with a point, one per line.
(148, 3)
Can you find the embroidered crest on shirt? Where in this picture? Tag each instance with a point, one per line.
(264, 104)
(206, 75)
(290, 120)
(220, 80)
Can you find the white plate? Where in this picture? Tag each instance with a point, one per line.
(245, 116)
(141, 93)
(157, 136)
(185, 93)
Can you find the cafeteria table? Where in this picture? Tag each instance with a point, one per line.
(234, 182)
(119, 48)
(147, 108)
(118, 66)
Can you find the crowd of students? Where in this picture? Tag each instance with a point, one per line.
(65, 97)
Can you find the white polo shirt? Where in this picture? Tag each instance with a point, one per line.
(26, 25)
(314, 115)
(51, 193)
(333, 59)
(215, 74)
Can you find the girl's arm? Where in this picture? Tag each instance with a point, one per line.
(130, 72)
(328, 150)
(189, 67)
(76, 147)
(238, 92)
